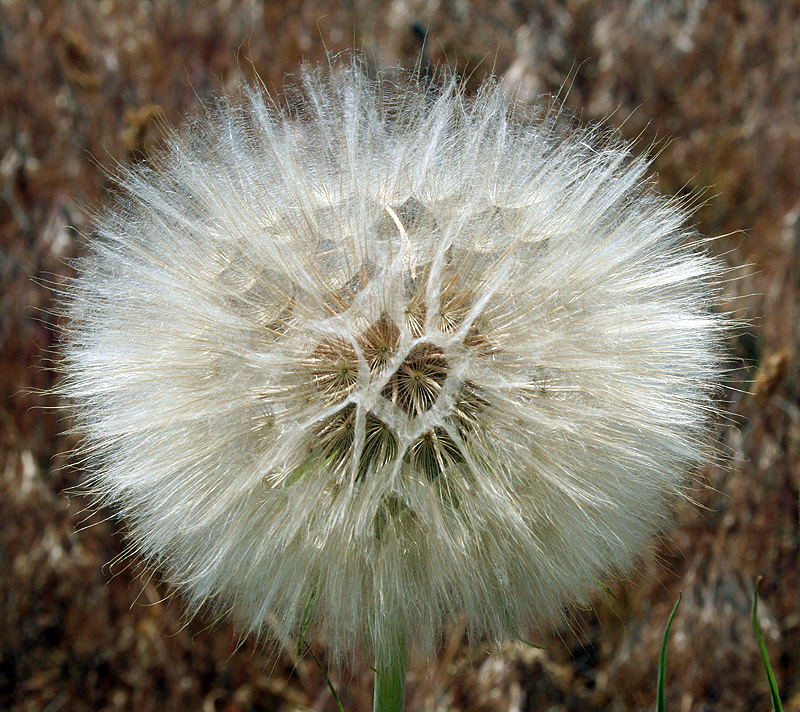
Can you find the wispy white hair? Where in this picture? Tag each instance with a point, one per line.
(387, 354)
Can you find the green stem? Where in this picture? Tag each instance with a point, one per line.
(391, 659)
(762, 646)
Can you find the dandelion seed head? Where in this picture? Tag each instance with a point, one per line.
(389, 354)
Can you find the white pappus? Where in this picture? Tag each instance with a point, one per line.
(386, 354)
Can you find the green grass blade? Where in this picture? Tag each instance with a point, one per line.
(605, 589)
(762, 646)
(308, 614)
(662, 661)
(515, 633)
(327, 679)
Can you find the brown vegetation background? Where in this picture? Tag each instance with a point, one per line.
(84, 85)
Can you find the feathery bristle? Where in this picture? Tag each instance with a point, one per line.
(391, 355)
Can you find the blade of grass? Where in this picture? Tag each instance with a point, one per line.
(762, 646)
(327, 679)
(662, 661)
(308, 613)
(606, 589)
(514, 632)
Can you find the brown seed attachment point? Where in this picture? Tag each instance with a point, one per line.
(415, 386)
(335, 437)
(470, 403)
(379, 343)
(454, 303)
(433, 453)
(334, 368)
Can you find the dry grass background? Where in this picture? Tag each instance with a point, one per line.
(82, 87)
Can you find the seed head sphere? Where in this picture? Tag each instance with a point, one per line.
(384, 354)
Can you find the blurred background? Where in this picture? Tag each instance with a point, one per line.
(86, 85)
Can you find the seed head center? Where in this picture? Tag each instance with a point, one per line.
(412, 386)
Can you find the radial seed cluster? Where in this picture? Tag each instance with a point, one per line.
(357, 364)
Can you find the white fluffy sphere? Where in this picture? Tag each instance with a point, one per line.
(388, 356)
